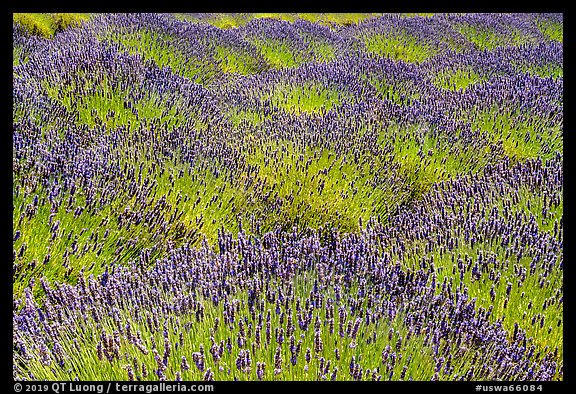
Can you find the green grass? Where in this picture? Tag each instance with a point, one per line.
(321, 51)
(230, 21)
(281, 16)
(219, 20)
(279, 54)
(343, 18)
(110, 111)
(482, 38)
(211, 204)
(238, 116)
(17, 56)
(316, 186)
(224, 21)
(420, 14)
(36, 24)
(37, 236)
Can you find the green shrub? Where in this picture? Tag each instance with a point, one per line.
(66, 20)
(45, 24)
(36, 24)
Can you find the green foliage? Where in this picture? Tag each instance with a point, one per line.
(552, 30)
(460, 78)
(400, 47)
(281, 16)
(108, 105)
(522, 135)
(225, 21)
(239, 116)
(188, 219)
(532, 286)
(232, 60)
(544, 70)
(16, 54)
(486, 38)
(37, 24)
(220, 20)
(331, 18)
(46, 25)
(321, 51)
(417, 14)
(156, 47)
(65, 20)
(315, 187)
(233, 20)
(279, 54)
(396, 90)
(425, 157)
(309, 97)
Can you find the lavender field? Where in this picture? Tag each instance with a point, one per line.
(288, 197)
